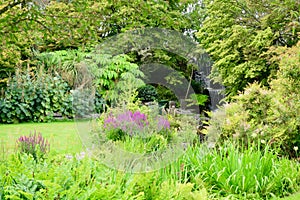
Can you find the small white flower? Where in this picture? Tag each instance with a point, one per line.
(295, 148)
(80, 156)
(254, 135)
(211, 145)
(263, 141)
(69, 157)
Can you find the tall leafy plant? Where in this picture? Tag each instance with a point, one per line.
(115, 77)
(63, 62)
(284, 116)
(35, 98)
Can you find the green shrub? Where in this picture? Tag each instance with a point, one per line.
(284, 118)
(266, 115)
(245, 119)
(35, 98)
(115, 77)
(85, 103)
(115, 134)
(147, 93)
(165, 93)
(63, 62)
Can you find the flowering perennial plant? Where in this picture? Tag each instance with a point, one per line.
(128, 122)
(34, 144)
(133, 123)
(163, 123)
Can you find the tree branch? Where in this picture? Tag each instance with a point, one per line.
(11, 5)
(247, 11)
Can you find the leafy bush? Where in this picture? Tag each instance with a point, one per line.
(35, 98)
(244, 119)
(115, 134)
(63, 62)
(266, 115)
(115, 77)
(165, 93)
(85, 102)
(284, 117)
(147, 93)
(34, 144)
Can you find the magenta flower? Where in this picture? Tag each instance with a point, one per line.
(33, 143)
(128, 122)
(131, 123)
(163, 123)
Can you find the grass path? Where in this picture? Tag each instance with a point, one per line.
(62, 136)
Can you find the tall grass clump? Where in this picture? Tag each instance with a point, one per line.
(248, 173)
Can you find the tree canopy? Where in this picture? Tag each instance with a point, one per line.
(28, 26)
(240, 36)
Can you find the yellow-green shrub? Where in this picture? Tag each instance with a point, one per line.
(266, 115)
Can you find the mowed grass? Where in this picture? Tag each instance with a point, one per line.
(62, 136)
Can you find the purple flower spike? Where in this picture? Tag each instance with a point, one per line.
(128, 122)
(32, 144)
(163, 123)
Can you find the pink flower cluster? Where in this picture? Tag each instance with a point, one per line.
(133, 122)
(28, 144)
(163, 123)
(128, 122)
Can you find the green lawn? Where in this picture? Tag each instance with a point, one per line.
(62, 136)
